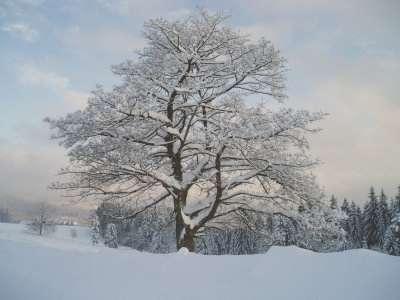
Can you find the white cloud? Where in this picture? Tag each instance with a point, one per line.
(22, 31)
(29, 74)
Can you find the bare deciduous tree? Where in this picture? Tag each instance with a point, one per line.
(178, 129)
(42, 223)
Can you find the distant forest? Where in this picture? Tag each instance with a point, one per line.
(336, 227)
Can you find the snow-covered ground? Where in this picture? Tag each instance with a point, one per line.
(62, 267)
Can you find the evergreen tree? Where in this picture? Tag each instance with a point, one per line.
(111, 237)
(360, 225)
(355, 226)
(370, 221)
(95, 230)
(395, 206)
(383, 217)
(345, 206)
(333, 203)
(391, 243)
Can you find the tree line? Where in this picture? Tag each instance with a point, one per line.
(248, 233)
(375, 226)
(334, 227)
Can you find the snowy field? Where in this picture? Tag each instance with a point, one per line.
(61, 267)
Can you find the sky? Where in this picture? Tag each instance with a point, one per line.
(343, 58)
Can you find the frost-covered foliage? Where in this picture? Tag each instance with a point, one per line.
(320, 230)
(178, 128)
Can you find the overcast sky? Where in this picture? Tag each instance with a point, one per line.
(343, 56)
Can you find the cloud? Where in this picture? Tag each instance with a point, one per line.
(22, 31)
(30, 74)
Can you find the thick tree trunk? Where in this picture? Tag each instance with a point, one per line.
(187, 240)
(179, 226)
(184, 235)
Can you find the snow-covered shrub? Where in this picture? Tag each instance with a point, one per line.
(95, 229)
(111, 236)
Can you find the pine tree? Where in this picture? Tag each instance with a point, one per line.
(360, 224)
(355, 226)
(383, 217)
(345, 206)
(333, 203)
(391, 243)
(111, 237)
(395, 205)
(370, 220)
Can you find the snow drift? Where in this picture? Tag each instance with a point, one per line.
(63, 267)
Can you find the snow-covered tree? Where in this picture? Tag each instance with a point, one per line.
(178, 128)
(333, 203)
(392, 237)
(383, 217)
(345, 206)
(370, 220)
(284, 231)
(354, 225)
(234, 241)
(95, 230)
(111, 236)
(42, 222)
(152, 230)
(395, 205)
(320, 230)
